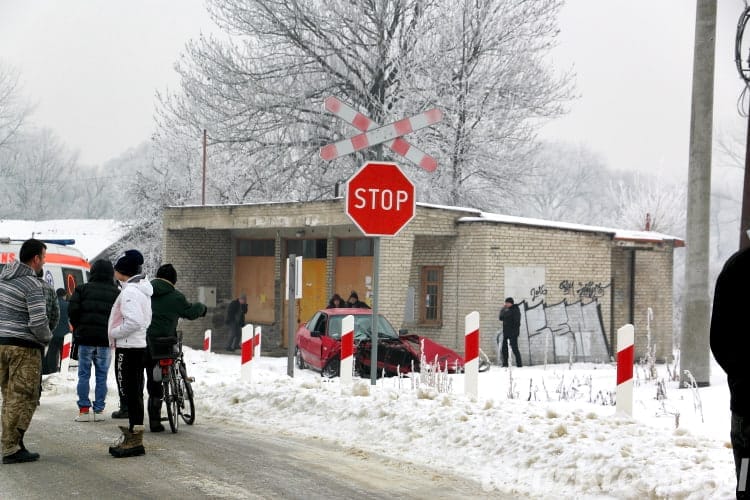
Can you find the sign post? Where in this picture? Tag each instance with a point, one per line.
(380, 200)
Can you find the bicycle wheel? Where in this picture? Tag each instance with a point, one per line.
(187, 407)
(171, 399)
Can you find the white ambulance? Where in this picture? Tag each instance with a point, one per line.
(66, 266)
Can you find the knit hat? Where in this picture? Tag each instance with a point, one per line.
(510, 299)
(167, 272)
(129, 263)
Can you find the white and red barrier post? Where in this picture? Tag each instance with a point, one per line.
(207, 340)
(65, 354)
(625, 358)
(246, 353)
(471, 358)
(347, 349)
(256, 344)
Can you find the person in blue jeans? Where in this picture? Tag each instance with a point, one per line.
(88, 311)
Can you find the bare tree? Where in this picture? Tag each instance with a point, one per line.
(14, 110)
(564, 185)
(38, 170)
(259, 90)
(637, 195)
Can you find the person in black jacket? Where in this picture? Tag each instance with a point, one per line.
(730, 344)
(353, 301)
(235, 320)
(88, 310)
(510, 315)
(52, 358)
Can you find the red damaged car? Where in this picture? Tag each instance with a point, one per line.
(318, 345)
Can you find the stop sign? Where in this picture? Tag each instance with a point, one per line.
(380, 199)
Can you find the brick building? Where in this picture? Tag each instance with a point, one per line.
(575, 284)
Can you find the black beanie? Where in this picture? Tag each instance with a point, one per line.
(167, 272)
(129, 263)
(509, 299)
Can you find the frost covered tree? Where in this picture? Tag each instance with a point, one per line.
(38, 168)
(14, 110)
(636, 195)
(564, 185)
(258, 89)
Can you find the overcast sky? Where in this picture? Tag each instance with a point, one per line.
(92, 69)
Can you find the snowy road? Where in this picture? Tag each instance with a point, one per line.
(211, 459)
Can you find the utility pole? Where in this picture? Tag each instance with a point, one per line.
(743, 67)
(203, 184)
(694, 344)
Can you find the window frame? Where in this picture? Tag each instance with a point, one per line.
(423, 287)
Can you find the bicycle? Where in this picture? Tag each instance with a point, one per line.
(177, 387)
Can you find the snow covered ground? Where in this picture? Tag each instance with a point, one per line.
(557, 437)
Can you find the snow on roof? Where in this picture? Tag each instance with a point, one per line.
(92, 236)
(618, 234)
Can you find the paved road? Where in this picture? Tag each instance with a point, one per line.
(211, 459)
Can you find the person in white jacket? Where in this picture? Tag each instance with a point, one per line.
(128, 321)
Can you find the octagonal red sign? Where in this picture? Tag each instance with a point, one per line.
(380, 199)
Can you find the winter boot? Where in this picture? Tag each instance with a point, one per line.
(22, 455)
(131, 443)
(154, 415)
(122, 412)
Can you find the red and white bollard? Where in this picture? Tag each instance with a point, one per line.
(347, 349)
(625, 358)
(65, 354)
(471, 357)
(246, 353)
(256, 344)
(207, 340)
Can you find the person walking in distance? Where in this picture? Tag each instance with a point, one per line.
(128, 321)
(730, 344)
(168, 305)
(89, 309)
(52, 358)
(235, 320)
(24, 331)
(510, 315)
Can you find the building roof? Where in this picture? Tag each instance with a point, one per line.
(623, 235)
(92, 236)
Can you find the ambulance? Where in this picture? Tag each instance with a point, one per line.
(66, 267)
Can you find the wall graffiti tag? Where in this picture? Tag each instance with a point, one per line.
(587, 290)
(539, 291)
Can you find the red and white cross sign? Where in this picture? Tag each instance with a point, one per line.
(375, 134)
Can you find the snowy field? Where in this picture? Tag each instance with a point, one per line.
(556, 437)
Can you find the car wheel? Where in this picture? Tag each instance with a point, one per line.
(298, 357)
(332, 369)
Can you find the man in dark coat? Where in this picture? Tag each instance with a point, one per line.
(353, 301)
(235, 320)
(88, 310)
(510, 315)
(52, 358)
(168, 305)
(730, 344)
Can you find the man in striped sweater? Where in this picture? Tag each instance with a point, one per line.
(24, 331)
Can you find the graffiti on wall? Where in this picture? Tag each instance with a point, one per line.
(563, 332)
(587, 290)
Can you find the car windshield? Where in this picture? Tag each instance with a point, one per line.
(362, 330)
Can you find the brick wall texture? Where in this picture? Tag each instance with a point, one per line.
(474, 254)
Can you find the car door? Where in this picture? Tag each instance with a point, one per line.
(311, 343)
